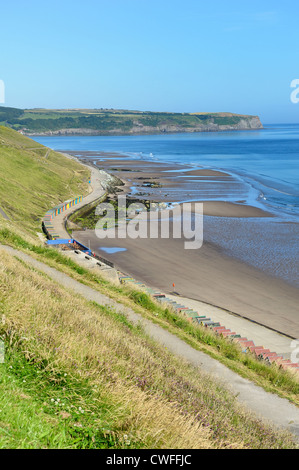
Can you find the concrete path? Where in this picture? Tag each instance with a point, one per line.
(260, 335)
(3, 214)
(96, 192)
(265, 405)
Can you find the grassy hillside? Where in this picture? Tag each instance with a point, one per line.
(105, 121)
(85, 377)
(33, 179)
(79, 375)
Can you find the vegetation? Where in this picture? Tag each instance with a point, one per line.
(271, 378)
(94, 380)
(80, 375)
(33, 179)
(88, 218)
(105, 121)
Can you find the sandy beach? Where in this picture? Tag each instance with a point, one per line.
(211, 274)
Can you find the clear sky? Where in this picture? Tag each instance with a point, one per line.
(157, 55)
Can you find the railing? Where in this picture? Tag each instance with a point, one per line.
(55, 239)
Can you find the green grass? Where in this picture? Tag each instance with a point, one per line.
(271, 378)
(80, 375)
(30, 184)
(40, 408)
(8, 237)
(228, 352)
(23, 420)
(104, 121)
(101, 382)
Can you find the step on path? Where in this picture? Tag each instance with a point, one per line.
(193, 316)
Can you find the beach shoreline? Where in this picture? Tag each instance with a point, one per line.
(210, 274)
(135, 174)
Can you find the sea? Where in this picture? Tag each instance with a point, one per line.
(266, 160)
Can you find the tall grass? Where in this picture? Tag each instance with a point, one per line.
(272, 378)
(114, 384)
(30, 184)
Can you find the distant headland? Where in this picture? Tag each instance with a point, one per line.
(120, 122)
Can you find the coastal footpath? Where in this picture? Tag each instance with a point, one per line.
(248, 394)
(252, 334)
(83, 366)
(266, 406)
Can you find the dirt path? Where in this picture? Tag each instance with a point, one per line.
(265, 405)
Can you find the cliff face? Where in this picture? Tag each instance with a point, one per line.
(211, 126)
(248, 123)
(121, 122)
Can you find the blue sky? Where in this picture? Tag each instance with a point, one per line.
(166, 55)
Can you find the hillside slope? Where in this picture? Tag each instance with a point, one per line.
(33, 179)
(78, 374)
(121, 122)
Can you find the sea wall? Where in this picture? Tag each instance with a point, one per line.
(47, 225)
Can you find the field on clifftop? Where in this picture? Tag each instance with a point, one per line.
(120, 122)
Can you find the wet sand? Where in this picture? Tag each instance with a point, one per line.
(229, 209)
(205, 274)
(225, 195)
(210, 274)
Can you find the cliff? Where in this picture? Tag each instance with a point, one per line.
(121, 122)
